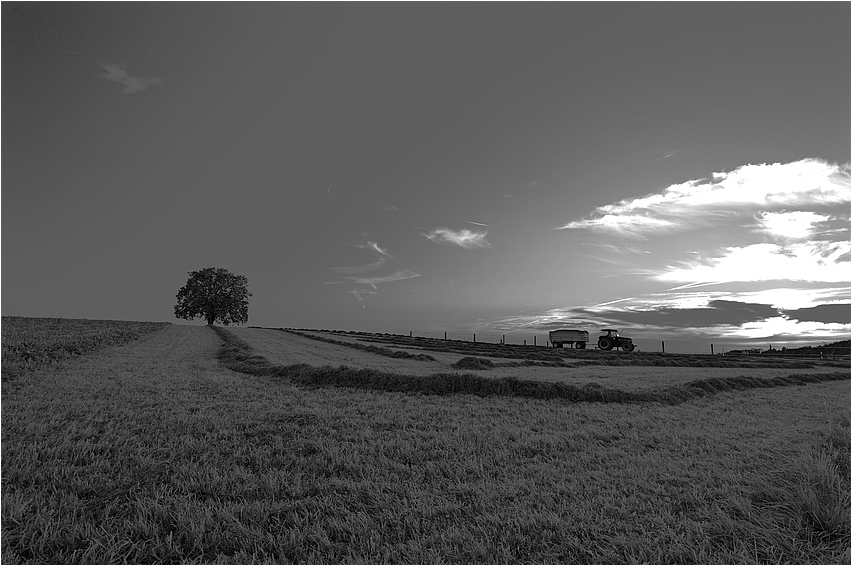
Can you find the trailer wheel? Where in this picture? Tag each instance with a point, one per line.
(580, 345)
(605, 344)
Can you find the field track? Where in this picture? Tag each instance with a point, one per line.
(285, 348)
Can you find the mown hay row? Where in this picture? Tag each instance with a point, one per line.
(579, 357)
(239, 356)
(387, 352)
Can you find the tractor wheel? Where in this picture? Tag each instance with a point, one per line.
(581, 345)
(605, 344)
(628, 347)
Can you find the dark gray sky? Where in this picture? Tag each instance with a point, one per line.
(479, 167)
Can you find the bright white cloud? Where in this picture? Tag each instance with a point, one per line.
(790, 225)
(825, 262)
(701, 203)
(118, 73)
(467, 239)
(780, 328)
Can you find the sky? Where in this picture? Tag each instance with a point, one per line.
(677, 171)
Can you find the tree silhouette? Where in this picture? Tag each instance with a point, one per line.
(214, 294)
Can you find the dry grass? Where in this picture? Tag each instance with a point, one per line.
(570, 355)
(30, 343)
(239, 356)
(151, 452)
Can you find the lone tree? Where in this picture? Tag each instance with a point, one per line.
(214, 294)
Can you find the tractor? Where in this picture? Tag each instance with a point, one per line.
(612, 340)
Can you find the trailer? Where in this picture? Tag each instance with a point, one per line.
(576, 338)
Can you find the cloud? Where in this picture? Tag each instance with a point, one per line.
(538, 182)
(665, 154)
(467, 239)
(839, 314)
(372, 246)
(746, 190)
(826, 262)
(362, 268)
(625, 224)
(118, 73)
(716, 313)
(358, 292)
(794, 225)
(373, 281)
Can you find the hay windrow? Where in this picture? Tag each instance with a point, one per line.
(239, 356)
(387, 352)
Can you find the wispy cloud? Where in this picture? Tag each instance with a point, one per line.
(373, 281)
(362, 268)
(358, 295)
(665, 153)
(625, 224)
(538, 182)
(356, 272)
(464, 238)
(374, 247)
(118, 73)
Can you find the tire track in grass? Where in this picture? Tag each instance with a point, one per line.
(237, 355)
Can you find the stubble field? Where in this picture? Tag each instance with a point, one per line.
(155, 451)
(580, 368)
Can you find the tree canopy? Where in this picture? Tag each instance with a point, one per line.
(214, 294)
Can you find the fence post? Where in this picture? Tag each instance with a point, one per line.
(525, 341)
(474, 336)
(664, 347)
(533, 340)
(711, 348)
(504, 339)
(445, 334)
(410, 333)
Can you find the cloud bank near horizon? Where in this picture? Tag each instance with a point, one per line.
(760, 252)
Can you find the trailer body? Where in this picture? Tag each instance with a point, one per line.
(577, 338)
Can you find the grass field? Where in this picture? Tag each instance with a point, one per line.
(29, 343)
(154, 452)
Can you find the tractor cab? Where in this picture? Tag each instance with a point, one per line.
(609, 333)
